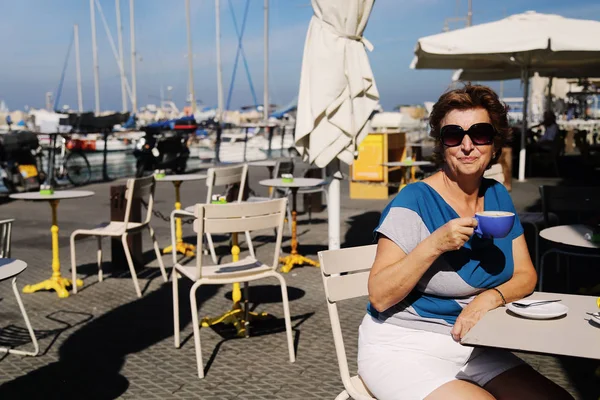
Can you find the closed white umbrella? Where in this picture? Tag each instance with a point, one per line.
(337, 92)
(526, 42)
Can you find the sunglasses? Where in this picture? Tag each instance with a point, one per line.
(481, 134)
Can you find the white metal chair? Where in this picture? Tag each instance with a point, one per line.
(345, 276)
(11, 268)
(140, 188)
(220, 177)
(228, 218)
(281, 167)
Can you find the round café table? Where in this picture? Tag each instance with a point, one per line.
(572, 242)
(294, 258)
(186, 249)
(56, 281)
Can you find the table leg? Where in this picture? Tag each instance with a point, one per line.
(237, 315)
(295, 258)
(271, 169)
(56, 282)
(186, 249)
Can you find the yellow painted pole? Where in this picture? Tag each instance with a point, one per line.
(236, 294)
(55, 247)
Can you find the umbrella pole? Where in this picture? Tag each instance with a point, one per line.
(334, 205)
(522, 153)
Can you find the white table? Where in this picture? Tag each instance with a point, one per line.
(407, 164)
(571, 335)
(568, 235)
(186, 249)
(294, 258)
(56, 282)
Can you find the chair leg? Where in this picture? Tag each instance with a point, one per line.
(130, 264)
(246, 310)
(250, 246)
(196, 326)
(286, 314)
(73, 264)
(36, 346)
(161, 264)
(211, 248)
(176, 326)
(100, 273)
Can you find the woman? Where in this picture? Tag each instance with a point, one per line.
(432, 280)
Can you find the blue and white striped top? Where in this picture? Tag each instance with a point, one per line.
(456, 277)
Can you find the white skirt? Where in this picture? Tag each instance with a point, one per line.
(403, 363)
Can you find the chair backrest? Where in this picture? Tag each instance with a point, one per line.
(5, 237)
(239, 217)
(345, 276)
(222, 176)
(572, 204)
(283, 167)
(143, 189)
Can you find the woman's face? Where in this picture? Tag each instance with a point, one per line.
(467, 158)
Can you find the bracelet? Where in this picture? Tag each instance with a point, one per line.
(501, 295)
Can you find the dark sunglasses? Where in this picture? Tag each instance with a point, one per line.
(481, 134)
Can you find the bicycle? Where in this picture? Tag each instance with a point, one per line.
(70, 163)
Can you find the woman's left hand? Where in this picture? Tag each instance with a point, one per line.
(472, 313)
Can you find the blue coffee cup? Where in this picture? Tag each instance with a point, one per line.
(494, 224)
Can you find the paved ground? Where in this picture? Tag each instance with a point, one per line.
(106, 343)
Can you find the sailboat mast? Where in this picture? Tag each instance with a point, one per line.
(266, 71)
(133, 56)
(190, 56)
(219, 65)
(78, 68)
(121, 59)
(95, 58)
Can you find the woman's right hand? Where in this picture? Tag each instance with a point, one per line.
(454, 234)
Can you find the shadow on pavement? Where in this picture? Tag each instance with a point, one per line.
(91, 358)
(360, 232)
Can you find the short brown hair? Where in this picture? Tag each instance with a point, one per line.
(466, 98)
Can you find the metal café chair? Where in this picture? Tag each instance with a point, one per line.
(136, 188)
(11, 268)
(345, 275)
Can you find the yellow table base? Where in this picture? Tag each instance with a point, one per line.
(295, 259)
(187, 249)
(58, 284)
(234, 317)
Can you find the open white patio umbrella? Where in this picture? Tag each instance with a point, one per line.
(525, 42)
(337, 92)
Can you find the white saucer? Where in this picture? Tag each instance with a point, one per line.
(595, 319)
(542, 311)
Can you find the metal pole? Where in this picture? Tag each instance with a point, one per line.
(133, 56)
(121, 59)
(219, 80)
(78, 68)
(219, 65)
(95, 58)
(190, 55)
(549, 98)
(522, 153)
(470, 14)
(266, 72)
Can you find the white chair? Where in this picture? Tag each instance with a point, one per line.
(281, 167)
(140, 188)
(227, 218)
(220, 177)
(11, 268)
(345, 276)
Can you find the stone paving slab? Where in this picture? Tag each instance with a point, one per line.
(106, 343)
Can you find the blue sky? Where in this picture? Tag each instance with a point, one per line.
(35, 35)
